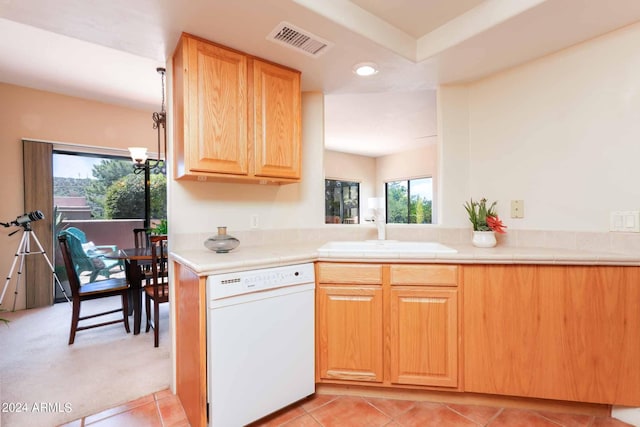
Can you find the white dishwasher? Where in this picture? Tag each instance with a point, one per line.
(260, 342)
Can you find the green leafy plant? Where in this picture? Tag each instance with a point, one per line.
(125, 197)
(483, 218)
(161, 228)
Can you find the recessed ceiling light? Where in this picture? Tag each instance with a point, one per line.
(365, 69)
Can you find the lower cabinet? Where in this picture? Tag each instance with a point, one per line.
(567, 333)
(424, 336)
(387, 324)
(554, 332)
(350, 332)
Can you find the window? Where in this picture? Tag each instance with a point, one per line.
(342, 202)
(409, 201)
(91, 186)
(99, 194)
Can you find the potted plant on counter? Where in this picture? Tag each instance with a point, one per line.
(485, 223)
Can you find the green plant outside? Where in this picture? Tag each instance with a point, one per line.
(107, 175)
(420, 208)
(161, 228)
(125, 197)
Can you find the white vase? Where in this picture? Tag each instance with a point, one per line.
(484, 239)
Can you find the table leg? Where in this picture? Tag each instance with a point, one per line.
(135, 281)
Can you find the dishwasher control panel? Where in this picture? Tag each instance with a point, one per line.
(243, 282)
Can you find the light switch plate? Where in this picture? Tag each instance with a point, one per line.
(625, 221)
(517, 209)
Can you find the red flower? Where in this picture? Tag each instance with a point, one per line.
(496, 224)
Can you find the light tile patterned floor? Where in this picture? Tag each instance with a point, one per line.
(350, 411)
(163, 409)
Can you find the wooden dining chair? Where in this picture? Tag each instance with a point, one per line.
(90, 260)
(157, 290)
(92, 290)
(141, 237)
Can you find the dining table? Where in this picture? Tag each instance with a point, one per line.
(133, 259)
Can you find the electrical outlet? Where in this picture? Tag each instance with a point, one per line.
(517, 209)
(254, 221)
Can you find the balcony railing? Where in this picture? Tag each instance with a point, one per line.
(117, 232)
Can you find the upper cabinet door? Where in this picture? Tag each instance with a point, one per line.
(217, 106)
(276, 120)
(236, 118)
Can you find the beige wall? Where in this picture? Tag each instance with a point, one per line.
(560, 133)
(417, 163)
(453, 162)
(373, 172)
(352, 167)
(28, 113)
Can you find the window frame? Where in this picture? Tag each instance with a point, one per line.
(102, 154)
(408, 184)
(350, 183)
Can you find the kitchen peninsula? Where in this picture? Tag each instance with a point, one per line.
(506, 324)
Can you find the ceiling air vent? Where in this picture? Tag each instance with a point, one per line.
(298, 39)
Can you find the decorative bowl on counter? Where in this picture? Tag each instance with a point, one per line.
(222, 242)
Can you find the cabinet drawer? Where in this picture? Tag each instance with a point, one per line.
(366, 274)
(435, 275)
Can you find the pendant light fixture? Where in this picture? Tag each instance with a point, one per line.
(141, 161)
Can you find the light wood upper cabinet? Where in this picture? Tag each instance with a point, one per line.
(554, 332)
(236, 118)
(276, 123)
(218, 131)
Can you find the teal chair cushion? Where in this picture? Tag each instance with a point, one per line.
(88, 258)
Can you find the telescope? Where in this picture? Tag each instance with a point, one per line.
(24, 249)
(24, 219)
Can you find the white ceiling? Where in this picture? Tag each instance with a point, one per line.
(417, 18)
(394, 121)
(108, 50)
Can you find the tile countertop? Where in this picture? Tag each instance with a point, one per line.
(205, 262)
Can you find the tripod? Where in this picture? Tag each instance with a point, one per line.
(24, 249)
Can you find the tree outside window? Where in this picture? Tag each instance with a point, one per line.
(342, 202)
(409, 201)
(112, 190)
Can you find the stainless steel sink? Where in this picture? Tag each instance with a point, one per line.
(383, 247)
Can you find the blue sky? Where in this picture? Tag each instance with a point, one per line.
(71, 166)
(423, 187)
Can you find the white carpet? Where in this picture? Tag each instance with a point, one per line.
(105, 367)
